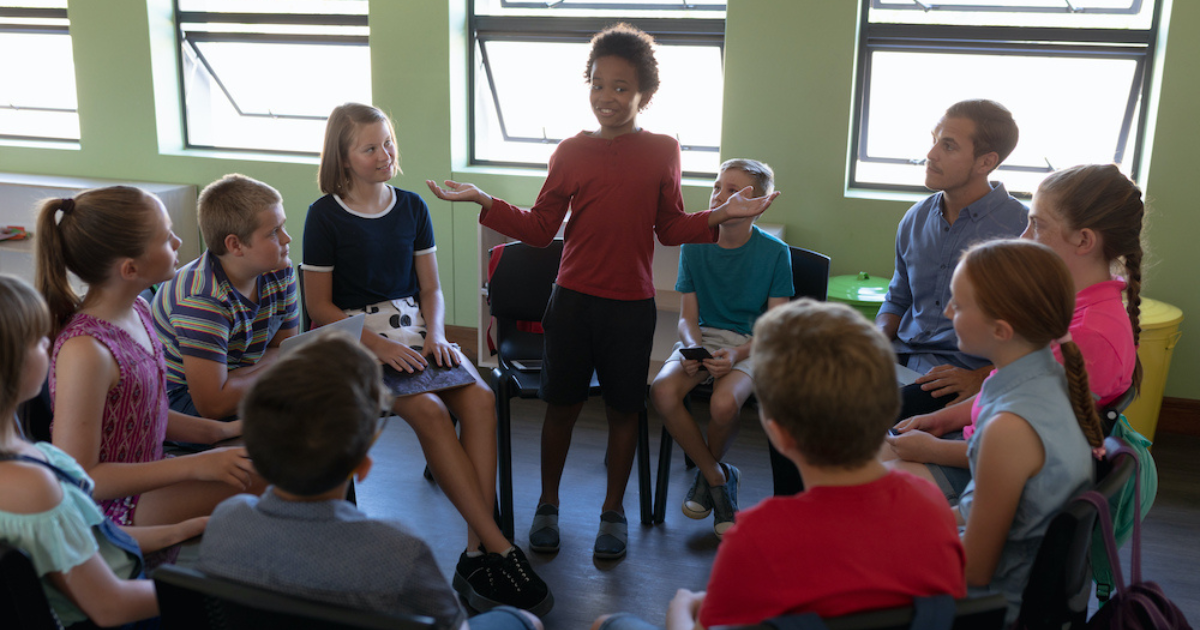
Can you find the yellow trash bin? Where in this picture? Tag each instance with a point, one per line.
(1160, 332)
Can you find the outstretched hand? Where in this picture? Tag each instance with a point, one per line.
(742, 205)
(459, 191)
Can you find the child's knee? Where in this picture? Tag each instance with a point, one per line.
(667, 393)
(724, 407)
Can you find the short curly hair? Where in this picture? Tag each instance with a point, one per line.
(633, 45)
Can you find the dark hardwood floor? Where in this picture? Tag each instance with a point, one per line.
(679, 552)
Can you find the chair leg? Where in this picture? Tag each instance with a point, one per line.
(645, 498)
(502, 390)
(688, 464)
(663, 478)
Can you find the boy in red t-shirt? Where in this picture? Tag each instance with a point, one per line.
(859, 537)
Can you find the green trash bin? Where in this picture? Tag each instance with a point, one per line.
(863, 292)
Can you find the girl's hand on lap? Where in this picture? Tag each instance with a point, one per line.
(399, 356)
(913, 446)
(229, 465)
(441, 352)
(925, 422)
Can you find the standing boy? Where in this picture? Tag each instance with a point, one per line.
(970, 141)
(224, 314)
(826, 388)
(725, 287)
(309, 422)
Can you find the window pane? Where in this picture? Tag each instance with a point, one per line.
(1070, 110)
(542, 94)
(37, 95)
(231, 103)
(610, 8)
(1114, 14)
(268, 7)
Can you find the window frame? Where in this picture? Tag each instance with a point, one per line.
(1138, 45)
(48, 29)
(569, 29)
(285, 19)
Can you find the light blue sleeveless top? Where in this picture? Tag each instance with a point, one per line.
(1033, 387)
(63, 537)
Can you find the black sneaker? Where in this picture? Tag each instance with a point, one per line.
(492, 580)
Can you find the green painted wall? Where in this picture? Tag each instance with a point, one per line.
(788, 89)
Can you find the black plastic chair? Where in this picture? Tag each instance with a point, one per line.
(810, 279)
(518, 291)
(1060, 581)
(190, 600)
(976, 613)
(1112, 413)
(22, 600)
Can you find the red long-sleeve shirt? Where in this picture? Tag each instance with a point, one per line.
(621, 193)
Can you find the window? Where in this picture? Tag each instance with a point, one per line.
(37, 95)
(528, 91)
(263, 75)
(1073, 72)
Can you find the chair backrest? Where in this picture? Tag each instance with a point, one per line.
(190, 600)
(305, 322)
(1060, 581)
(22, 600)
(518, 290)
(975, 613)
(1112, 412)
(810, 274)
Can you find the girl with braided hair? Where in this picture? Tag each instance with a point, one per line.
(1091, 216)
(1037, 425)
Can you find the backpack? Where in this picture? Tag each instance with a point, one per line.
(1142, 604)
(1122, 505)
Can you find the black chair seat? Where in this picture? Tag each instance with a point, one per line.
(190, 600)
(22, 601)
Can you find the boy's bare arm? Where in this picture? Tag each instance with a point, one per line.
(217, 390)
(888, 324)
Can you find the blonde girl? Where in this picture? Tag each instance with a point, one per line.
(369, 248)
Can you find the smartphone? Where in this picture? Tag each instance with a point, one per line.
(695, 354)
(894, 432)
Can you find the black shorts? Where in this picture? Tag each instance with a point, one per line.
(585, 333)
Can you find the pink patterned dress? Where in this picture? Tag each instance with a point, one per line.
(135, 412)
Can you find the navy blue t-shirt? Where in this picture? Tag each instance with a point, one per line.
(370, 256)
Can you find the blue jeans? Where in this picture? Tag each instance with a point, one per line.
(625, 621)
(500, 618)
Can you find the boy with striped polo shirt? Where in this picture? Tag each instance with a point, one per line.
(223, 316)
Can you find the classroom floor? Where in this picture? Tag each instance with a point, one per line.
(679, 552)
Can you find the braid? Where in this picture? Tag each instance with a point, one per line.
(1080, 394)
(1133, 289)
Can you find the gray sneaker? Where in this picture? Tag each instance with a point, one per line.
(543, 533)
(724, 500)
(697, 504)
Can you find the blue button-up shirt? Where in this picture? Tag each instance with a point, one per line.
(927, 249)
